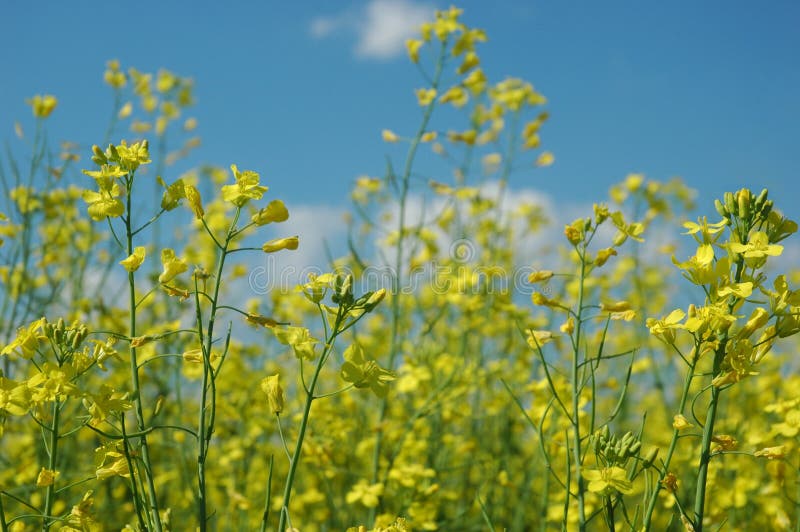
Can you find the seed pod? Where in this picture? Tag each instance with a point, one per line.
(721, 209)
(76, 340)
(634, 448)
(730, 203)
(650, 457)
(762, 197)
(98, 157)
(744, 203)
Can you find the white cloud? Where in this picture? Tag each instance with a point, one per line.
(381, 26)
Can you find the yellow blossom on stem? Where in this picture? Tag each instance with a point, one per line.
(546, 158)
(134, 260)
(46, 477)
(245, 189)
(425, 96)
(173, 265)
(772, 453)
(195, 201)
(608, 480)
(413, 46)
(272, 388)
(42, 105)
(389, 136)
(679, 422)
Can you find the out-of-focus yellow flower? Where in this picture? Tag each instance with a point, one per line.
(367, 494)
(113, 76)
(475, 81)
(536, 339)
(428, 136)
(42, 105)
(772, 453)
(364, 373)
(413, 46)
(389, 136)
(425, 96)
(471, 60)
(545, 158)
(679, 422)
(47, 477)
(134, 260)
(125, 111)
(455, 95)
(299, 338)
(539, 276)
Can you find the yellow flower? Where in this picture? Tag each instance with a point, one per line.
(536, 339)
(475, 81)
(455, 95)
(272, 387)
(27, 341)
(275, 211)
(665, 328)
(389, 136)
(679, 422)
(541, 275)
(365, 373)
(471, 60)
(603, 255)
(194, 199)
(135, 260)
(113, 75)
(245, 189)
(173, 266)
(367, 494)
(42, 105)
(757, 247)
(617, 306)
(15, 397)
(428, 136)
(425, 96)
(608, 480)
(772, 453)
(413, 46)
(47, 477)
(545, 158)
(278, 244)
(299, 338)
(104, 203)
(125, 111)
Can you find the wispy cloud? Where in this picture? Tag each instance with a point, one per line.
(381, 26)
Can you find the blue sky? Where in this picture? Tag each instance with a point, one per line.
(301, 90)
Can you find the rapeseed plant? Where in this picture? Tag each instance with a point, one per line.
(437, 398)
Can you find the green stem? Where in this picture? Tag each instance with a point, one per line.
(267, 496)
(287, 491)
(576, 391)
(610, 514)
(672, 445)
(711, 415)
(398, 263)
(51, 465)
(152, 498)
(3, 524)
(206, 428)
